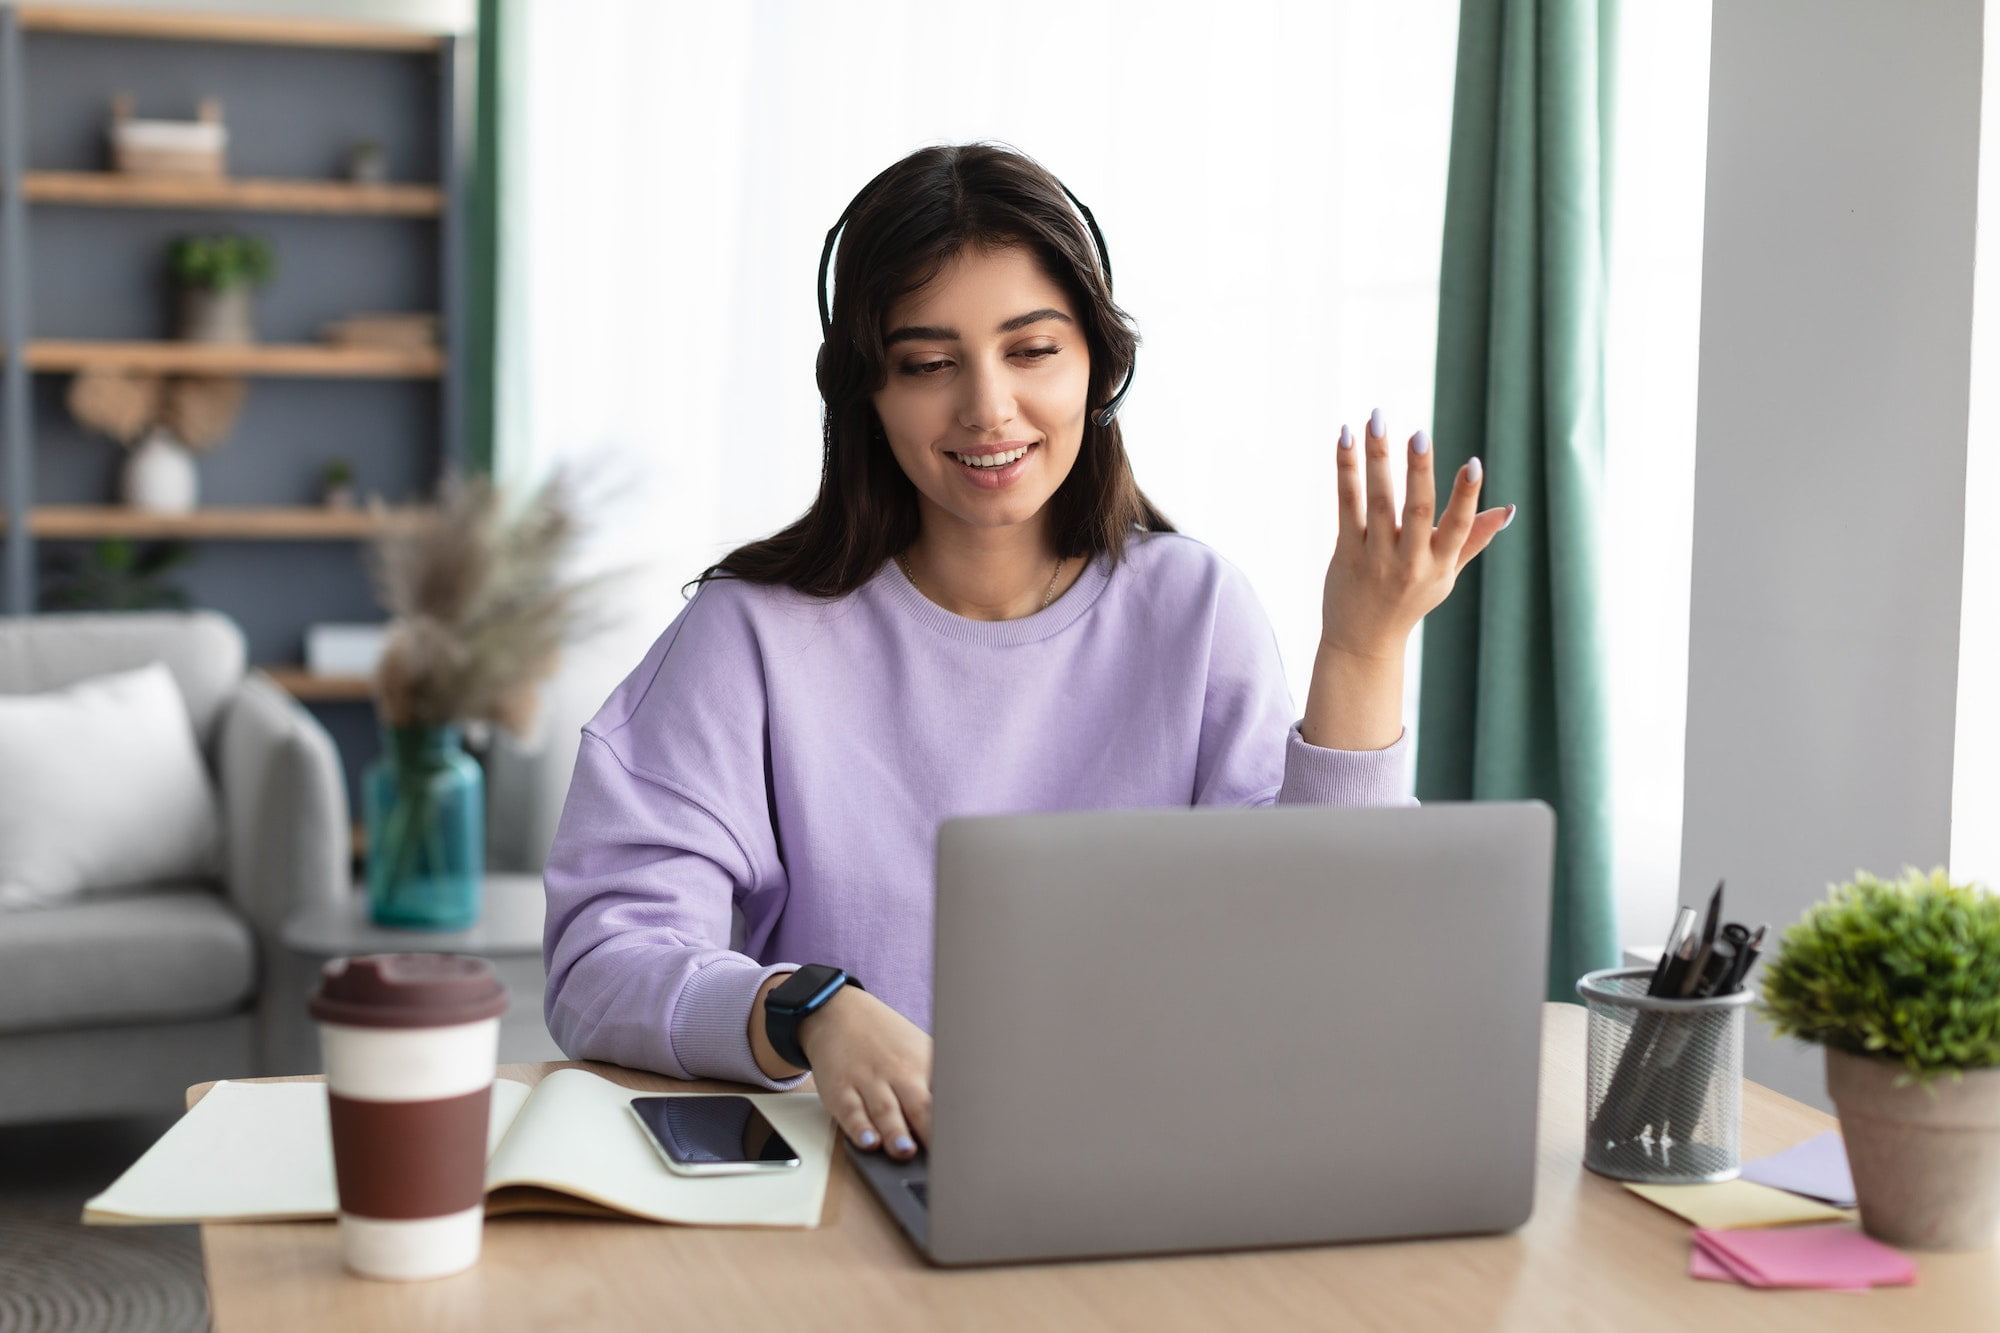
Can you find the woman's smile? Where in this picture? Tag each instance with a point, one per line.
(993, 467)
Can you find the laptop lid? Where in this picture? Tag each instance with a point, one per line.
(1205, 1028)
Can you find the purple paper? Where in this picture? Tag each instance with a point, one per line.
(1816, 1168)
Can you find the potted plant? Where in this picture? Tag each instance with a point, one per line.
(336, 484)
(1900, 982)
(216, 275)
(163, 421)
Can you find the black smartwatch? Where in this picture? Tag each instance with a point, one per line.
(803, 993)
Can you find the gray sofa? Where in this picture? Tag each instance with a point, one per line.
(114, 1006)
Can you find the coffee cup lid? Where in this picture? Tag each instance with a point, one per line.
(407, 990)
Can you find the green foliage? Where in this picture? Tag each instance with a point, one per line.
(219, 262)
(1905, 970)
(116, 576)
(336, 472)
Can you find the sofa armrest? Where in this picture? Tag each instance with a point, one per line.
(284, 806)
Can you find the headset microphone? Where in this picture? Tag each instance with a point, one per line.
(1104, 415)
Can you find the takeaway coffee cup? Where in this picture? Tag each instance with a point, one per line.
(410, 1041)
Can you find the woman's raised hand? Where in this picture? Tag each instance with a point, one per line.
(1390, 571)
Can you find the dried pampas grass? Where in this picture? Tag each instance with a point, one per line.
(480, 606)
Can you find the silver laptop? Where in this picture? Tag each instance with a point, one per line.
(1200, 1029)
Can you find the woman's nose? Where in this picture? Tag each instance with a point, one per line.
(988, 401)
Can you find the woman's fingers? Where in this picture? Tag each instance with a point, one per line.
(851, 1114)
(1459, 512)
(1420, 501)
(1485, 528)
(1353, 499)
(915, 1095)
(1381, 486)
(887, 1112)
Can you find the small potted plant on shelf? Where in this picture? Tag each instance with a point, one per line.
(216, 276)
(1900, 982)
(336, 484)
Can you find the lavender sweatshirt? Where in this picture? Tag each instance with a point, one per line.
(790, 759)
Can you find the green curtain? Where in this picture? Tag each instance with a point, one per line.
(1513, 686)
(482, 239)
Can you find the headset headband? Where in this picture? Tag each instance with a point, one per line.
(1109, 411)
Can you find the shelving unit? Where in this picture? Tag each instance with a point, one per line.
(109, 189)
(223, 523)
(316, 360)
(81, 249)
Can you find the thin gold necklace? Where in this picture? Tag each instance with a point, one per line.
(1047, 597)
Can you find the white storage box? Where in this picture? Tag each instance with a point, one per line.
(344, 649)
(168, 147)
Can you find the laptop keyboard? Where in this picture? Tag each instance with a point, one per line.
(921, 1189)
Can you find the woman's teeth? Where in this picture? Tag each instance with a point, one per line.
(991, 460)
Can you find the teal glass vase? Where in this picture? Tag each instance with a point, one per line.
(425, 813)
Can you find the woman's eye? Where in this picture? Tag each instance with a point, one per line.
(933, 367)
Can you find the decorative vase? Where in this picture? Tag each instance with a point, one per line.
(160, 475)
(218, 314)
(425, 802)
(1926, 1161)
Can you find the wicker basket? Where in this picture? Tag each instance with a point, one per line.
(168, 147)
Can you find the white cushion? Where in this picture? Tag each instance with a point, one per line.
(101, 786)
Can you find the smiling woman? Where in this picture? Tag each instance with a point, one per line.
(980, 613)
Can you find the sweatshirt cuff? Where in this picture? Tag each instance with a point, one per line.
(711, 1026)
(1317, 776)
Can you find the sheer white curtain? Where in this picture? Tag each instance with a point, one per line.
(1269, 177)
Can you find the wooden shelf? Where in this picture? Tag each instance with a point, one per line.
(111, 189)
(302, 684)
(308, 360)
(89, 522)
(252, 28)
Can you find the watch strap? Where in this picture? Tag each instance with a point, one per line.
(781, 1023)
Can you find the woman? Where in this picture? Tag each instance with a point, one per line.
(981, 613)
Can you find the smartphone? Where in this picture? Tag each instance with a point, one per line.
(703, 1135)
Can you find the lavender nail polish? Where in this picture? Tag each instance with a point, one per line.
(1346, 439)
(1420, 443)
(868, 1138)
(1375, 424)
(1473, 471)
(1509, 520)
(904, 1143)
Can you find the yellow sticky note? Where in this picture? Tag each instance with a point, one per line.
(1737, 1203)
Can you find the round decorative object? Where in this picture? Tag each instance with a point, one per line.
(53, 1277)
(160, 475)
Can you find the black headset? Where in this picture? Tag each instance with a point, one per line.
(1105, 415)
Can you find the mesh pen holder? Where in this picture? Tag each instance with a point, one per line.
(1664, 1096)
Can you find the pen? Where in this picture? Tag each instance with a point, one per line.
(1745, 956)
(1708, 928)
(1683, 928)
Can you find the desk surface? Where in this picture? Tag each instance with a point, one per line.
(1593, 1256)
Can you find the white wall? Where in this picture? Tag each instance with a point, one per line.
(1975, 785)
(1831, 454)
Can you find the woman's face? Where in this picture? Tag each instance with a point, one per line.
(989, 359)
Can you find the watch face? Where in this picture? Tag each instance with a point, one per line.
(806, 989)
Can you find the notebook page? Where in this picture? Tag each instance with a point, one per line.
(249, 1152)
(576, 1136)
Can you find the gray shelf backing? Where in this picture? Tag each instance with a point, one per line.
(16, 459)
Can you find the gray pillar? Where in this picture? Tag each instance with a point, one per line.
(1830, 465)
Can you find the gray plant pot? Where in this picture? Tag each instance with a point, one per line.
(1926, 1161)
(218, 314)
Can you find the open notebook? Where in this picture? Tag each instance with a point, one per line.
(262, 1152)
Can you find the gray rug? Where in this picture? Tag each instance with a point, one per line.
(56, 1273)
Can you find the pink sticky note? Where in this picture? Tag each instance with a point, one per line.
(1706, 1266)
(1836, 1255)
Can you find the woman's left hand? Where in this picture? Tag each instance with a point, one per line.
(1389, 573)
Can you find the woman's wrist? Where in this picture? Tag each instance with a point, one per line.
(772, 1064)
(1355, 700)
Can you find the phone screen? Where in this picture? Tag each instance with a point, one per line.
(713, 1134)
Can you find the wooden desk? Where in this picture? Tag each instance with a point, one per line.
(1593, 1256)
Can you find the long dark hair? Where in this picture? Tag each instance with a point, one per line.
(909, 223)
